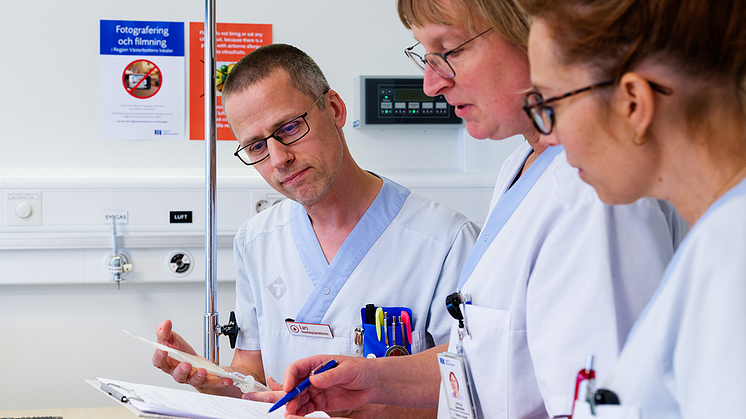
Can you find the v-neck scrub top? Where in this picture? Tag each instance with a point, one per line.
(406, 251)
(686, 356)
(564, 277)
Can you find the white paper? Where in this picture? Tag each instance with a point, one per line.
(191, 404)
(245, 383)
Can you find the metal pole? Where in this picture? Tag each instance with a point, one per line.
(211, 315)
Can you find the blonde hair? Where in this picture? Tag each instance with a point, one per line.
(506, 17)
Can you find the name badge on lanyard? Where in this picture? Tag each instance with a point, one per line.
(315, 330)
(460, 394)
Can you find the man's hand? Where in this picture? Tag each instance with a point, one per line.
(184, 372)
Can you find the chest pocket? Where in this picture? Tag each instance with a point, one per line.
(419, 344)
(494, 351)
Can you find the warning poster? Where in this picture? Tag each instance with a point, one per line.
(141, 80)
(233, 41)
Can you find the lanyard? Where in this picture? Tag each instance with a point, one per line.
(454, 303)
(328, 280)
(504, 209)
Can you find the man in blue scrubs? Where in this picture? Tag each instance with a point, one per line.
(345, 238)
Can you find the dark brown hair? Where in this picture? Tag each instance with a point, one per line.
(698, 38)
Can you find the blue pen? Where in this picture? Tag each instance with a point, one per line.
(326, 366)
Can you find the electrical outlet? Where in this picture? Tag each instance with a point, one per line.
(265, 199)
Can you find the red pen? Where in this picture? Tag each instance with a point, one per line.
(584, 383)
(408, 323)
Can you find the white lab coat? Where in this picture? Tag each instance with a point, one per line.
(418, 249)
(686, 357)
(565, 277)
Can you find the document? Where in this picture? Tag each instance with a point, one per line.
(153, 401)
(245, 382)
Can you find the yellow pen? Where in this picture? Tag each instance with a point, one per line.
(379, 321)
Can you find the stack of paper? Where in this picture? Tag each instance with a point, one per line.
(153, 401)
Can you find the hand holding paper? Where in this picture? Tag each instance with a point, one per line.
(245, 383)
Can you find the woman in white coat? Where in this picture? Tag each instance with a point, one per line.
(556, 274)
(660, 112)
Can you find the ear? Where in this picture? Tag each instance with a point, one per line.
(338, 107)
(634, 101)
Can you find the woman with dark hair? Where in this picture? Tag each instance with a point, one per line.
(656, 108)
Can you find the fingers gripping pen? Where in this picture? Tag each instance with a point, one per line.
(326, 366)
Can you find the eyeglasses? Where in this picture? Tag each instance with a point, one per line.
(289, 133)
(542, 115)
(438, 62)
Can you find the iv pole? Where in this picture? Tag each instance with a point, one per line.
(211, 316)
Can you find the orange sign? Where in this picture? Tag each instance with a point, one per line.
(233, 41)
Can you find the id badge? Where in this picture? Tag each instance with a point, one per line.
(458, 386)
(460, 394)
(309, 329)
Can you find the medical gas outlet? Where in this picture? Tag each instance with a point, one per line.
(118, 266)
(117, 263)
(180, 263)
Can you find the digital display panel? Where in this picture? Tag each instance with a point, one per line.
(401, 101)
(411, 95)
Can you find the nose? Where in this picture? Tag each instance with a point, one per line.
(434, 84)
(549, 140)
(279, 154)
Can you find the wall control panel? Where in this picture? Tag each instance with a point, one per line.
(400, 101)
(75, 240)
(23, 208)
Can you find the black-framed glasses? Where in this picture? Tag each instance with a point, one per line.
(438, 62)
(289, 133)
(541, 113)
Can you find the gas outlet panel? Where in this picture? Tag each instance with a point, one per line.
(180, 263)
(60, 223)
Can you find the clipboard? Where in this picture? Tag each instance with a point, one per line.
(101, 387)
(148, 401)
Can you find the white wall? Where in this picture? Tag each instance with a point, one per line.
(52, 336)
(50, 54)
